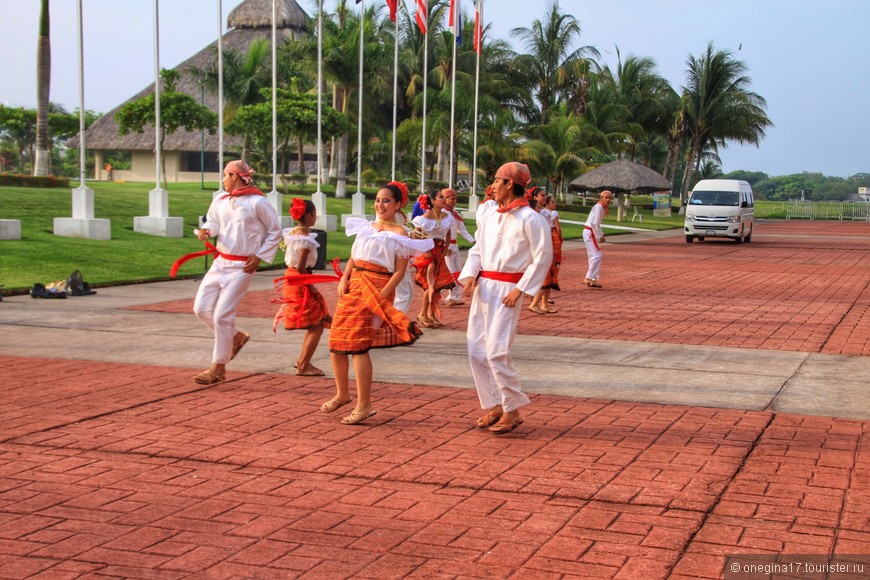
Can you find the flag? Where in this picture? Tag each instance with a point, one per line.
(478, 28)
(455, 21)
(422, 15)
(393, 4)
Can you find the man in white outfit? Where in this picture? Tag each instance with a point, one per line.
(511, 257)
(248, 231)
(593, 237)
(454, 256)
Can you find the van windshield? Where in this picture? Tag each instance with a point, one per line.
(714, 198)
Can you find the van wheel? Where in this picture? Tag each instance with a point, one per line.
(700, 238)
(690, 239)
(749, 237)
(738, 239)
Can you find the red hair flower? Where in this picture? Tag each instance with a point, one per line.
(423, 200)
(402, 188)
(297, 208)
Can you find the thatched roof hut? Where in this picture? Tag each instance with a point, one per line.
(250, 20)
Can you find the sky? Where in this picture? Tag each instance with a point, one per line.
(807, 58)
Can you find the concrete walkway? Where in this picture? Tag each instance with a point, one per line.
(710, 400)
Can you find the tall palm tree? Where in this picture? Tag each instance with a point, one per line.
(549, 44)
(720, 107)
(42, 160)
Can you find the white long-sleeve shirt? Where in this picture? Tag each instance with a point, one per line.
(512, 242)
(596, 216)
(246, 225)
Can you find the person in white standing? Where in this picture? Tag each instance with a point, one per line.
(454, 257)
(511, 258)
(248, 232)
(593, 237)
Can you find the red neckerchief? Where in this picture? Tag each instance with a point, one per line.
(246, 190)
(456, 214)
(604, 205)
(518, 202)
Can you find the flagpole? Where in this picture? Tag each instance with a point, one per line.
(362, 12)
(395, 91)
(220, 46)
(275, 102)
(319, 91)
(478, 45)
(157, 93)
(425, 90)
(453, 99)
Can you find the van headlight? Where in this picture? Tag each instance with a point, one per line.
(690, 218)
(735, 219)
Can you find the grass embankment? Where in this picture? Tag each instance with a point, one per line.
(130, 257)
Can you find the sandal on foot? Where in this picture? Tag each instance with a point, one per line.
(506, 425)
(239, 340)
(424, 322)
(358, 416)
(333, 405)
(488, 420)
(309, 371)
(209, 377)
(537, 310)
(551, 311)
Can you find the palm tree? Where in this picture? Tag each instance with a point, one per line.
(550, 56)
(42, 160)
(720, 107)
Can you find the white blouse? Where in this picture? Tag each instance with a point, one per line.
(295, 244)
(382, 247)
(435, 228)
(554, 215)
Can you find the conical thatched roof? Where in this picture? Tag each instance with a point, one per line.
(258, 14)
(621, 175)
(103, 134)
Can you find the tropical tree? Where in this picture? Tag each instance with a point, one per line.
(720, 107)
(549, 57)
(42, 161)
(177, 110)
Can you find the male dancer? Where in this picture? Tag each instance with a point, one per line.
(511, 258)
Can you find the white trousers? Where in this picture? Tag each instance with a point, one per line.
(594, 255)
(217, 301)
(492, 327)
(404, 292)
(454, 264)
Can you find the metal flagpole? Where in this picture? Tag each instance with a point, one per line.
(157, 92)
(319, 92)
(456, 25)
(425, 85)
(82, 130)
(478, 45)
(362, 12)
(220, 47)
(274, 101)
(395, 91)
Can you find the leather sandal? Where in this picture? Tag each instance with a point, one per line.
(423, 321)
(358, 417)
(209, 377)
(239, 340)
(309, 371)
(333, 405)
(488, 420)
(506, 424)
(537, 309)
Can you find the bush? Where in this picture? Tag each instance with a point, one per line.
(31, 181)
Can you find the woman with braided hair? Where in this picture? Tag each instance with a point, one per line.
(365, 317)
(303, 306)
(433, 275)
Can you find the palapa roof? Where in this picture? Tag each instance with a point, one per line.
(621, 175)
(250, 20)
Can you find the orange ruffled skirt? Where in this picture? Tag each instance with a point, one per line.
(302, 306)
(365, 319)
(552, 280)
(442, 276)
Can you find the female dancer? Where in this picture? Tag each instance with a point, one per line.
(454, 258)
(541, 302)
(433, 275)
(364, 316)
(303, 307)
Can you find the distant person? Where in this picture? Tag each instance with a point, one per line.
(248, 231)
(593, 237)
(109, 175)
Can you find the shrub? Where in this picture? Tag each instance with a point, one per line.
(31, 181)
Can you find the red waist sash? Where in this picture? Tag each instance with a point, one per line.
(592, 234)
(211, 251)
(513, 277)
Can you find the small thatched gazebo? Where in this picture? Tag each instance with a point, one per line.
(182, 152)
(621, 177)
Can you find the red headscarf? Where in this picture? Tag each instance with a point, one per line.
(518, 172)
(242, 169)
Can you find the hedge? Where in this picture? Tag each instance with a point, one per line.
(31, 181)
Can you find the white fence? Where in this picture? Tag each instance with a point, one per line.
(828, 210)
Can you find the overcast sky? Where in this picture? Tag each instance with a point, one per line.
(807, 58)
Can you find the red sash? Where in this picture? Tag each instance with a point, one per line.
(211, 251)
(304, 280)
(512, 277)
(592, 235)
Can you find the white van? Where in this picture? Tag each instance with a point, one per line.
(719, 208)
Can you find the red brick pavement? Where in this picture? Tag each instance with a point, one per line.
(109, 470)
(798, 286)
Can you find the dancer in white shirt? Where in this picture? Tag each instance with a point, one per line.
(593, 237)
(511, 258)
(454, 257)
(248, 231)
(433, 274)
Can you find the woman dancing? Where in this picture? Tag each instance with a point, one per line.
(433, 275)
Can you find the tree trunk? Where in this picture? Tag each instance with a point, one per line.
(300, 152)
(442, 159)
(620, 207)
(42, 160)
(341, 153)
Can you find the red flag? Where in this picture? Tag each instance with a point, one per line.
(393, 4)
(454, 20)
(422, 15)
(478, 28)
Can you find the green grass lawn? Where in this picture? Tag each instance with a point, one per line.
(129, 257)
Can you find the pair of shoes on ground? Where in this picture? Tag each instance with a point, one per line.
(538, 310)
(592, 283)
(427, 322)
(40, 291)
(355, 418)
